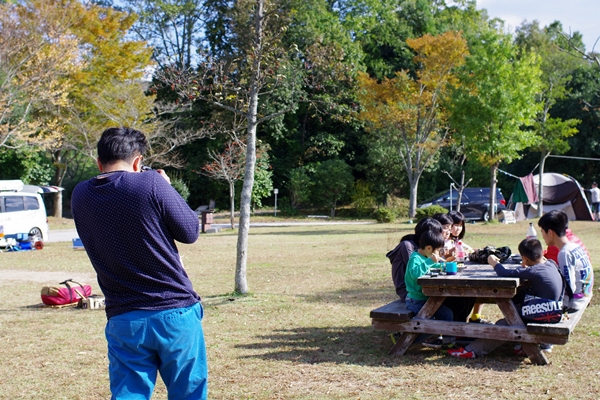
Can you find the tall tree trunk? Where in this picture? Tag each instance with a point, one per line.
(232, 204)
(493, 182)
(543, 157)
(241, 284)
(412, 203)
(57, 179)
(58, 204)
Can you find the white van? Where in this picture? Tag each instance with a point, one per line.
(22, 210)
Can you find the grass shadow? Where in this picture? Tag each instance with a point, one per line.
(359, 345)
(361, 294)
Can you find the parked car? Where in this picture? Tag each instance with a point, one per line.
(474, 205)
(22, 211)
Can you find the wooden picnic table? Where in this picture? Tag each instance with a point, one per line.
(479, 281)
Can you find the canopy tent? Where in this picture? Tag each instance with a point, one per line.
(561, 192)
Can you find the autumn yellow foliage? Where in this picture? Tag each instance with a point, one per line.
(406, 113)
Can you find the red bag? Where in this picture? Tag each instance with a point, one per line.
(70, 293)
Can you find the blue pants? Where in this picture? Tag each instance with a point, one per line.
(443, 313)
(142, 343)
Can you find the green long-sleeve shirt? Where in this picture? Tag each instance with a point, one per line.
(418, 266)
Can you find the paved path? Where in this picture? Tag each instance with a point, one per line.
(66, 235)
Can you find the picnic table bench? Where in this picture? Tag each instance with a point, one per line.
(476, 281)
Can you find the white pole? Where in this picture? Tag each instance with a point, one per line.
(275, 191)
(450, 196)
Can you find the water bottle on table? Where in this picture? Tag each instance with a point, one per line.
(460, 252)
(531, 233)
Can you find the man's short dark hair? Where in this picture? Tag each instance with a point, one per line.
(555, 220)
(531, 248)
(121, 144)
(431, 238)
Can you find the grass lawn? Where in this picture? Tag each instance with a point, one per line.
(303, 333)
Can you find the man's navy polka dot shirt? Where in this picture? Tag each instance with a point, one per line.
(128, 223)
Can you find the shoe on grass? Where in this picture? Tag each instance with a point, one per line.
(434, 342)
(546, 348)
(480, 320)
(450, 346)
(395, 336)
(518, 350)
(461, 352)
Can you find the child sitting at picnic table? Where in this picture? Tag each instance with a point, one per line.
(457, 233)
(447, 251)
(573, 261)
(419, 264)
(544, 281)
(400, 255)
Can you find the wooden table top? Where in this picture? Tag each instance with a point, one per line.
(472, 275)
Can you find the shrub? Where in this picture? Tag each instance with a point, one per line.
(285, 208)
(385, 214)
(399, 204)
(363, 199)
(332, 182)
(181, 187)
(429, 211)
(299, 186)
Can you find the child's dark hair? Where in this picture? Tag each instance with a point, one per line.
(424, 225)
(459, 219)
(555, 220)
(431, 238)
(443, 219)
(531, 248)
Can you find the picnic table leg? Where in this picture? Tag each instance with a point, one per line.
(512, 317)
(407, 338)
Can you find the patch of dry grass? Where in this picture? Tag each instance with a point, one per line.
(303, 333)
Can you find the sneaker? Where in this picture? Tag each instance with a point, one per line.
(461, 352)
(481, 320)
(546, 348)
(518, 350)
(450, 346)
(434, 342)
(395, 336)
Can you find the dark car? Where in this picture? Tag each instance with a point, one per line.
(474, 205)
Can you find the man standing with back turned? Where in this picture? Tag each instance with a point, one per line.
(128, 221)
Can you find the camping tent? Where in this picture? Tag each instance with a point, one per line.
(561, 192)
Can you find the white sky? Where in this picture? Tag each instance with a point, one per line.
(576, 15)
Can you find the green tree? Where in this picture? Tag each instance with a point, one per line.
(259, 81)
(332, 181)
(581, 103)
(556, 67)
(299, 186)
(496, 99)
(263, 175)
(172, 28)
(26, 163)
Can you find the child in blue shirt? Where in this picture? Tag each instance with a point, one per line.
(419, 264)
